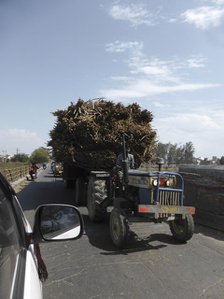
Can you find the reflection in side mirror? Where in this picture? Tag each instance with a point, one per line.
(59, 222)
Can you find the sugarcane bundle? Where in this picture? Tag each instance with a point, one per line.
(89, 133)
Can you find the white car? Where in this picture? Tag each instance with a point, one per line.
(22, 268)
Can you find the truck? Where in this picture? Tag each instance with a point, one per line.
(126, 195)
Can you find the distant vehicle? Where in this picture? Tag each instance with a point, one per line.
(22, 269)
(57, 169)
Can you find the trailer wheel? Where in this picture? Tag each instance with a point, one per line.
(118, 228)
(182, 229)
(96, 193)
(80, 192)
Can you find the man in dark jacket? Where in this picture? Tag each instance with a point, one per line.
(130, 157)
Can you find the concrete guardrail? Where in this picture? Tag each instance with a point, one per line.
(204, 189)
(16, 173)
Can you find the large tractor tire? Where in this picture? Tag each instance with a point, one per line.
(80, 192)
(182, 229)
(96, 194)
(119, 228)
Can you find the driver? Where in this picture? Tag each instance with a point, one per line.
(130, 157)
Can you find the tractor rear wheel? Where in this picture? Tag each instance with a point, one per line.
(118, 228)
(182, 229)
(96, 193)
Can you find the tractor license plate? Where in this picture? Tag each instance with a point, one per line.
(170, 210)
(166, 209)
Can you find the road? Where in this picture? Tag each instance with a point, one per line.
(153, 266)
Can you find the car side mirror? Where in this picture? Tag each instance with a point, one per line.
(56, 222)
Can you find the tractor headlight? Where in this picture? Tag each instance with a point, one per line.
(154, 182)
(164, 182)
(170, 182)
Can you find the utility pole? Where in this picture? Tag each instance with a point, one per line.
(4, 155)
(17, 152)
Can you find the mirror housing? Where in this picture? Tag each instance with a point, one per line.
(57, 222)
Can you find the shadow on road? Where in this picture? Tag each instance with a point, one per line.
(99, 236)
(38, 192)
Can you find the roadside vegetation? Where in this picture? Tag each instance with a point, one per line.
(18, 165)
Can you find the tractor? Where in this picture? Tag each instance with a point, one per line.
(139, 196)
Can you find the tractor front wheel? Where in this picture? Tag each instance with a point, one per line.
(118, 228)
(182, 228)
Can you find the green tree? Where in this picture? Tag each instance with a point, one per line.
(188, 152)
(176, 154)
(172, 154)
(40, 155)
(222, 160)
(20, 158)
(162, 150)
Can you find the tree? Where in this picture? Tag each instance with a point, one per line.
(40, 155)
(222, 160)
(174, 153)
(188, 150)
(20, 158)
(162, 150)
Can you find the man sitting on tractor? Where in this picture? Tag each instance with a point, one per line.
(130, 157)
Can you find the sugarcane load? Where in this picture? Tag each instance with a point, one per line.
(89, 133)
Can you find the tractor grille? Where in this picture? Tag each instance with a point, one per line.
(170, 198)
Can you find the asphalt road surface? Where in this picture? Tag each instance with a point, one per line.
(153, 266)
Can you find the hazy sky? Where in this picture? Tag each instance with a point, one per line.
(166, 55)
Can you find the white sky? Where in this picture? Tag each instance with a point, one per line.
(165, 55)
